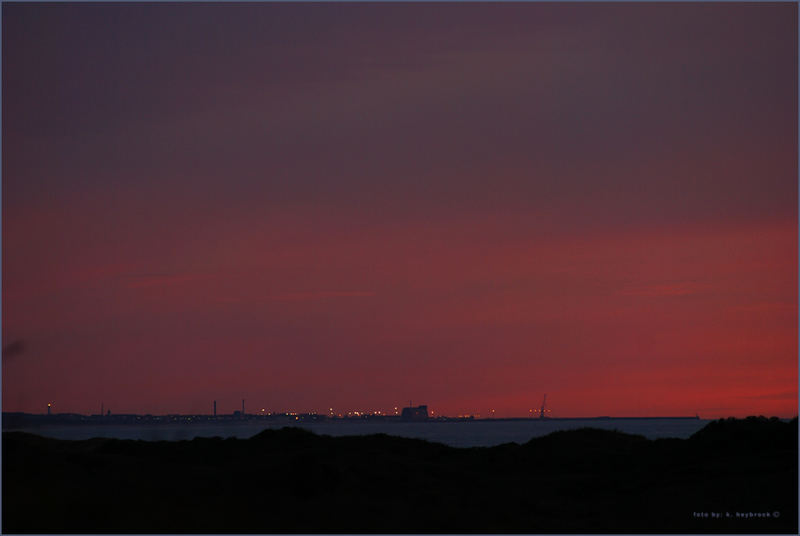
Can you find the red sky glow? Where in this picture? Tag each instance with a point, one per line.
(356, 205)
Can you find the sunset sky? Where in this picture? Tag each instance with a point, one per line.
(356, 206)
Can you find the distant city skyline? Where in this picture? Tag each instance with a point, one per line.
(399, 413)
(351, 205)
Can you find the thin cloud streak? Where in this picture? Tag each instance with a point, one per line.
(159, 280)
(667, 290)
(322, 295)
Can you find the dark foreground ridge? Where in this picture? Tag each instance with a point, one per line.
(292, 481)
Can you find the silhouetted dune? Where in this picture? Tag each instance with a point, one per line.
(753, 434)
(292, 480)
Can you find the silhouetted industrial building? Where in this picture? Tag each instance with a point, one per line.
(419, 413)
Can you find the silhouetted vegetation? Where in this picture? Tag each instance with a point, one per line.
(290, 480)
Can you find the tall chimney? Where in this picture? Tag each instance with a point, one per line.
(215, 408)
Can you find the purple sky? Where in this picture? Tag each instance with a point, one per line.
(354, 205)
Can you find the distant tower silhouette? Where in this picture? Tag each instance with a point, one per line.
(541, 411)
(215, 408)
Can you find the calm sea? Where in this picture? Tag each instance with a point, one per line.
(457, 434)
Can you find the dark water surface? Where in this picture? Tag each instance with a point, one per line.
(456, 434)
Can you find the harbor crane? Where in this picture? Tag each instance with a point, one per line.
(544, 408)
